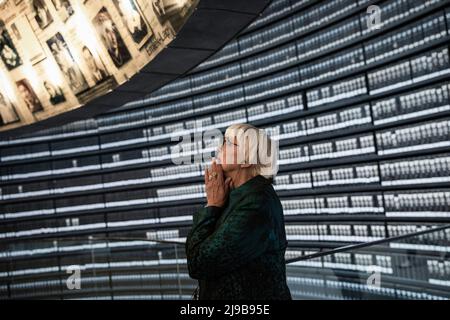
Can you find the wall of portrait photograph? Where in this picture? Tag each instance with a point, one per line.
(57, 55)
(8, 51)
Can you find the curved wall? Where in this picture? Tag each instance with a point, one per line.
(363, 119)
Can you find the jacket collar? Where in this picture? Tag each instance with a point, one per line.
(248, 186)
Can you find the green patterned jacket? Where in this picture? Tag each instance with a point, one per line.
(237, 252)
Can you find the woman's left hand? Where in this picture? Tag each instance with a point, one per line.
(217, 188)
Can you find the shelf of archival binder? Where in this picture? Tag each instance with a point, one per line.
(290, 12)
(249, 30)
(382, 62)
(368, 127)
(69, 234)
(425, 250)
(306, 87)
(89, 245)
(286, 116)
(331, 163)
(327, 107)
(321, 54)
(303, 165)
(288, 168)
(91, 232)
(349, 188)
(56, 272)
(243, 56)
(375, 218)
(393, 249)
(384, 30)
(388, 281)
(365, 68)
(358, 217)
(303, 34)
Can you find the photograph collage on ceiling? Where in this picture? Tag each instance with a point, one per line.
(59, 55)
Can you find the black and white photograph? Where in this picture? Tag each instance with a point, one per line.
(29, 96)
(159, 9)
(64, 9)
(16, 32)
(7, 111)
(55, 93)
(66, 62)
(171, 12)
(41, 13)
(8, 51)
(134, 20)
(111, 38)
(95, 66)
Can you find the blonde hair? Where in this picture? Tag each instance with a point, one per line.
(259, 149)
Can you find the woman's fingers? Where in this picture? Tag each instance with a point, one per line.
(227, 184)
(206, 175)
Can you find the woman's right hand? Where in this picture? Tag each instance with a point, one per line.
(217, 188)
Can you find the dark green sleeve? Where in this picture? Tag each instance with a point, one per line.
(242, 237)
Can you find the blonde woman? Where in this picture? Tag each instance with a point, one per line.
(237, 242)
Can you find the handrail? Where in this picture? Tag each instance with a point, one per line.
(365, 244)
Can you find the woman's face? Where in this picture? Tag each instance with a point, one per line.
(228, 154)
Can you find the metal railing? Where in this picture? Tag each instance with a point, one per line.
(411, 265)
